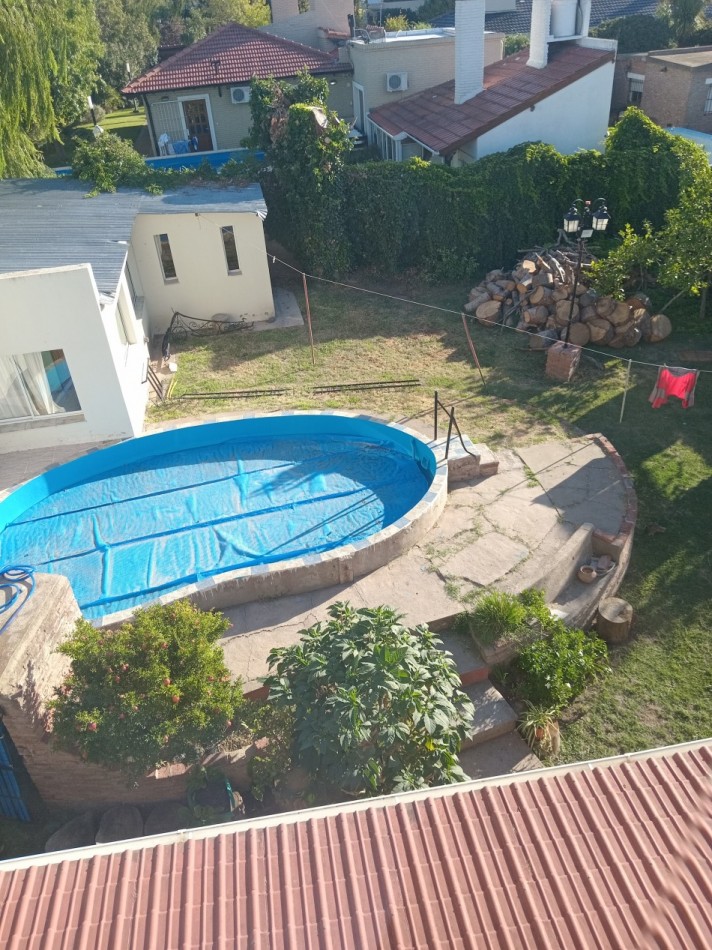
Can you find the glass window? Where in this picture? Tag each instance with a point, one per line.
(166, 257)
(36, 384)
(228, 237)
(708, 100)
(635, 91)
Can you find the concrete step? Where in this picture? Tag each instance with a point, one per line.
(470, 665)
(493, 715)
(501, 756)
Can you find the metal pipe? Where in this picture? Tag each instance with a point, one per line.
(435, 418)
(449, 430)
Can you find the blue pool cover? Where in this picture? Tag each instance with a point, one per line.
(126, 535)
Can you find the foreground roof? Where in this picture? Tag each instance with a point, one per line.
(609, 854)
(510, 87)
(50, 222)
(234, 54)
(519, 20)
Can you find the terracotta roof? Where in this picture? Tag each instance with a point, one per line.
(233, 54)
(610, 854)
(511, 87)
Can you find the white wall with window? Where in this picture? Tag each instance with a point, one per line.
(71, 370)
(219, 262)
(636, 82)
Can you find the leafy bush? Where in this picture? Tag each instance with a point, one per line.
(553, 671)
(635, 34)
(513, 42)
(498, 616)
(377, 707)
(156, 690)
(109, 161)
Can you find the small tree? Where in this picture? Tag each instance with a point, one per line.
(109, 161)
(377, 706)
(156, 690)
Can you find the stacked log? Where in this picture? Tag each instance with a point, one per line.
(542, 296)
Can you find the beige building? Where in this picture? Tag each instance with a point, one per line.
(672, 86)
(199, 99)
(396, 65)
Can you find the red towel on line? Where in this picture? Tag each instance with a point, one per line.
(674, 381)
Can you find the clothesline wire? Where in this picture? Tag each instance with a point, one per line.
(430, 306)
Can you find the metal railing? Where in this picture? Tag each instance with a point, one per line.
(452, 423)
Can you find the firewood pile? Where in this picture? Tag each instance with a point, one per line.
(537, 297)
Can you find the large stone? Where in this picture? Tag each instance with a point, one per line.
(77, 833)
(119, 823)
(493, 715)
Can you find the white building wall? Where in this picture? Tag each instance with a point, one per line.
(288, 22)
(203, 286)
(573, 118)
(58, 309)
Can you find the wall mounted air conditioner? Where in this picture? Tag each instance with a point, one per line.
(240, 94)
(396, 82)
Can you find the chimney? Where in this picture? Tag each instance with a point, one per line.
(538, 45)
(469, 49)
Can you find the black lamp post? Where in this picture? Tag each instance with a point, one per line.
(581, 221)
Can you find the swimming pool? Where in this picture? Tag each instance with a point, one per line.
(181, 511)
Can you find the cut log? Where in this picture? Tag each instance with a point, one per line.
(605, 306)
(643, 321)
(507, 284)
(564, 313)
(542, 263)
(633, 335)
(640, 300)
(562, 292)
(543, 340)
(660, 328)
(600, 329)
(588, 299)
(524, 284)
(580, 289)
(542, 279)
(493, 289)
(528, 266)
(536, 316)
(620, 314)
(495, 274)
(614, 619)
(489, 312)
(473, 304)
(540, 296)
(579, 334)
(477, 291)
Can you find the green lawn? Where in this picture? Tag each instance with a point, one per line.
(124, 122)
(660, 690)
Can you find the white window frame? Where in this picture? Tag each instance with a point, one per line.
(389, 147)
(230, 227)
(636, 82)
(157, 239)
(181, 100)
(358, 88)
(707, 108)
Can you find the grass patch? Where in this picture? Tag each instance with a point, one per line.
(124, 122)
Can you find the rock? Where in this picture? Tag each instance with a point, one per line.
(119, 823)
(77, 833)
(168, 816)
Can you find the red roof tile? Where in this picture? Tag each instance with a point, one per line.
(233, 54)
(610, 854)
(432, 118)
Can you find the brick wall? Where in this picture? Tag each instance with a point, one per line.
(30, 668)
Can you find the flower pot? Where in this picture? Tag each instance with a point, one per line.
(586, 574)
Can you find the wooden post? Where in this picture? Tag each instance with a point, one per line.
(614, 619)
(625, 391)
(309, 323)
(472, 348)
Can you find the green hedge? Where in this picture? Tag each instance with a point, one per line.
(449, 223)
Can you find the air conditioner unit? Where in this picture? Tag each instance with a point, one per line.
(396, 82)
(239, 94)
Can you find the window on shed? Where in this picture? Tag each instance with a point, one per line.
(230, 247)
(635, 90)
(36, 384)
(708, 100)
(165, 256)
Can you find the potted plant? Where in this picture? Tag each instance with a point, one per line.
(539, 727)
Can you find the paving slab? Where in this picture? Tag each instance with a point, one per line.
(508, 753)
(485, 560)
(493, 715)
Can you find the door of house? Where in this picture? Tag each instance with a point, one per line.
(197, 123)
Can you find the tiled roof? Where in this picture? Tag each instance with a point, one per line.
(610, 854)
(433, 118)
(519, 20)
(233, 54)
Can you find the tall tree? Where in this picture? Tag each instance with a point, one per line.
(682, 15)
(128, 40)
(48, 51)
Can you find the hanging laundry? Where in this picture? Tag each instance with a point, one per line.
(674, 381)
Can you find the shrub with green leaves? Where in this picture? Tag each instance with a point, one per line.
(498, 616)
(109, 161)
(377, 706)
(553, 671)
(154, 691)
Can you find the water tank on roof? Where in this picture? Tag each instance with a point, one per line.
(563, 17)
